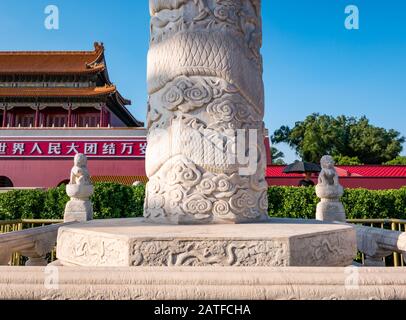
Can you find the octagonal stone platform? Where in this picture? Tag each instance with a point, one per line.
(135, 242)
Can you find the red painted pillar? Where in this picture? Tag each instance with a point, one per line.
(106, 118)
(101, 116)
(12, 120)
(40, 118)
(70, 116)
(36, 120)
(4, 124)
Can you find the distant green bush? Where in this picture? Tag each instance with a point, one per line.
(292, 202)
(24, 204)
(54, 203)
(112, 200)
(296, 202)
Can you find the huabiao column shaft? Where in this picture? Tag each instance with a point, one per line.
(205, 158)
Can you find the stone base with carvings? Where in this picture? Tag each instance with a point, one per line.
(135, 242)
(330, 210)
(78, 210)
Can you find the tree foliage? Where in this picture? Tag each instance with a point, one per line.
(346, 161)
(277, 156)
(342, 136)
(401, 160)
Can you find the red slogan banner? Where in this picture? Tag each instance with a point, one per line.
(61, 149)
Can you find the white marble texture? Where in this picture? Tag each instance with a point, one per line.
(138, 242)
(204, 84)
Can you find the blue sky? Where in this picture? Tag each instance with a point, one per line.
(312, 63)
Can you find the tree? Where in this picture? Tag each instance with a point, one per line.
(277, 156)
(342, 136)
(346, 161)
(401, 160)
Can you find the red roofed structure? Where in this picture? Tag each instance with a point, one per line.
(53, 62)
(375, 171)
(361, 176)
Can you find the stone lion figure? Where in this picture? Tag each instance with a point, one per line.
(79, 189)
(79, 173)
(329, 191)
(328, 174)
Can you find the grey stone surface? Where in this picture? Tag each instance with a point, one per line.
(202, 283)
(33, 243)
(378, 243)
(137, 242)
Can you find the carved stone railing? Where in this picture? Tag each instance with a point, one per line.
(376, 243)
(33, 243)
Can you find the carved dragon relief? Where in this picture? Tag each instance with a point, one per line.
(321, 250)
(205, 54)
(209, 253)
(241, 17)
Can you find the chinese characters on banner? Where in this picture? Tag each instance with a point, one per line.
(101, 149)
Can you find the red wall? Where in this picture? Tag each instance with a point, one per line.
(374, 183)
(50, 173)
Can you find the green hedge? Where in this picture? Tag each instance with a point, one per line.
(110, 200)
(115, 201)
(359, 203)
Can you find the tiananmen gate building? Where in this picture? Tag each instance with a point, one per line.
(58, 103)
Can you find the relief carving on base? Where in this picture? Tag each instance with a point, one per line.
(90, 250)
(326, 250)
(209, 253)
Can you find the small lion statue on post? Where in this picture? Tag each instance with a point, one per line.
(79, 189)
(329, 191)
(79, 173)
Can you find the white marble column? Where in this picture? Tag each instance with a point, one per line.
(205, 114)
